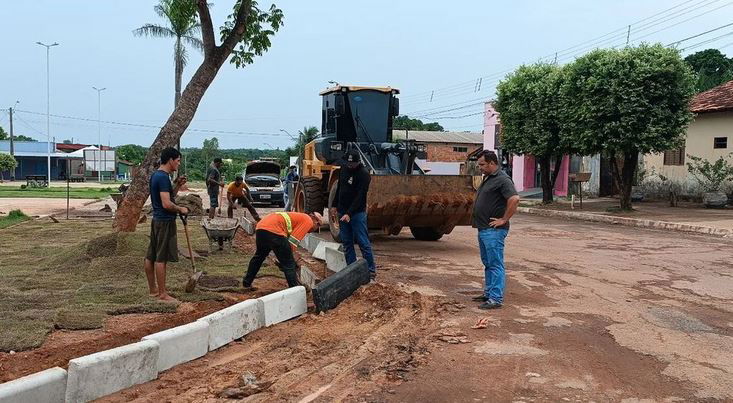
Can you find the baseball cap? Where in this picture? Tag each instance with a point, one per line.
(353, 156)
(238, 177)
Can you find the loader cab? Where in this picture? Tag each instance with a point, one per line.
(352, 114)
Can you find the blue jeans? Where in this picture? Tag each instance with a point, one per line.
(491, 245)
(356, 231)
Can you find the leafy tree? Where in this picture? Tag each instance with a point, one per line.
(183, 26)
(6, 136)
(530, 104)
(210, 149)
(131, 152)
(404, 122)
(625, 102)
(7, 163)
(244, 35)
(712, 67)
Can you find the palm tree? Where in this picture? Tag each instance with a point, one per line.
(183, 25)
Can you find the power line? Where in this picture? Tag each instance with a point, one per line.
(156, 127)
(698, 35)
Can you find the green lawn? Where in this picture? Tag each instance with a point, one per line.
(14, 217)
(74, 274)
(56, 192)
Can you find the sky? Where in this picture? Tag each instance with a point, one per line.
(427, 49)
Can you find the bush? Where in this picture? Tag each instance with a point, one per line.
(23, 187)
(712, 177)
(16, 214)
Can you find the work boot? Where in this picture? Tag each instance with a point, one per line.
(291, 277)
(480, 298)
(490, 304)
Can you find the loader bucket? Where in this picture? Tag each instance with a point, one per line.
(437, 202)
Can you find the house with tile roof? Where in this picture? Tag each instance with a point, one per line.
(709, 136)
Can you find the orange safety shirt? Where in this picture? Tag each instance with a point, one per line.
(236, 191)
(301, 224)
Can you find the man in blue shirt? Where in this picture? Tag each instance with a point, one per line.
(163, 247)
(290, 180)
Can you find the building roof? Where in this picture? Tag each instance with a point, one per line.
(439, 137)
(716, 99)
(340, 88)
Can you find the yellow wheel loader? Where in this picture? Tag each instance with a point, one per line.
(400, 194)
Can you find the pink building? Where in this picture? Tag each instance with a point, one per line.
(524, 168)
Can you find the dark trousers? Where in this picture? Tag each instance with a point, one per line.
(266, 241)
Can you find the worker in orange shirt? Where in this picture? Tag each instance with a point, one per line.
(238, 192)
(280, 233)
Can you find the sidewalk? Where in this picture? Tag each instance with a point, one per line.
(687, 217)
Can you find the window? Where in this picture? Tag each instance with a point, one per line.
(460, 149)
(720, 142)
(675, 157)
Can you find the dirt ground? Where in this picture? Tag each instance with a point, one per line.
(43, 206)
(593, 312)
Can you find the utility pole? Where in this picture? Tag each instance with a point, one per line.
(628, 35)
(12, 148)
(99, 130)
(48, 108)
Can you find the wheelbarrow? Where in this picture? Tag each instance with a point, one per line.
(220, 231)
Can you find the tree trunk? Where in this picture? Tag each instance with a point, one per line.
(135, 197)
(556, 170)
(547, 186)
(625, 178)
(179, 77)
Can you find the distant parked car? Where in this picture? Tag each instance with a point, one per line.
(263, 180)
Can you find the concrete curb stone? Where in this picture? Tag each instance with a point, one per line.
(335, 259)
(181, 344)
(100, 374)
(631, 222)
(234, 322)
(283, 305)
(47, 386)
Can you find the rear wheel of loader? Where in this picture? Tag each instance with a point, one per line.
(426, 233)
(333, 219)
(308, 196)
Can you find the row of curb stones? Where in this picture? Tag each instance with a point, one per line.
(106, 372)
(631, 222)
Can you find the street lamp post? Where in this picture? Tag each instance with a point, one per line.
(99, 130)
(48, 108)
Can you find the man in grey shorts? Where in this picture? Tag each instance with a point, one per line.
(163, 247)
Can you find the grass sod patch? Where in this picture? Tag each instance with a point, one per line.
(73, 277)
(14, 217)
(55, 192)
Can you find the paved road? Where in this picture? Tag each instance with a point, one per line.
(592, 312)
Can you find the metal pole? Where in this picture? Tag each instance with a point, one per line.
(12, 148)
(99, 131)
(68, 174)
(48, 108)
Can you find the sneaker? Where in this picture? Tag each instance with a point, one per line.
(490, 304)
(479, 298)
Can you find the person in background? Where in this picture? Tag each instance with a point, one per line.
(350, 202)
(213, 183)
(163, 247)
(290, 180)
(238, 192)
(496, 202)
(280, 233)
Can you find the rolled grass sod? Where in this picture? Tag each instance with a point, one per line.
(76, 274)
(14, 217)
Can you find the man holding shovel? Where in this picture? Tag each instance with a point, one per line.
(163, 247)
(238, 192)
(213, 183)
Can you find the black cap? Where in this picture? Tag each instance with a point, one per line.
(353, 156)
(238, 177)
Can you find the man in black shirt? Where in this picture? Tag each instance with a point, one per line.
(350, 202)
(213, 183)
(496, 202)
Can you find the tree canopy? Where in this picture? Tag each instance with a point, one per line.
(712, 68)
(404, 122)
(623, 102)
(17, 137)
(530, 104)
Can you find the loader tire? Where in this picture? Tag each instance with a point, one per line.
(426, 233)
(309, 196)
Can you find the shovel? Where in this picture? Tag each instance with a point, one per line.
(191, 284)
